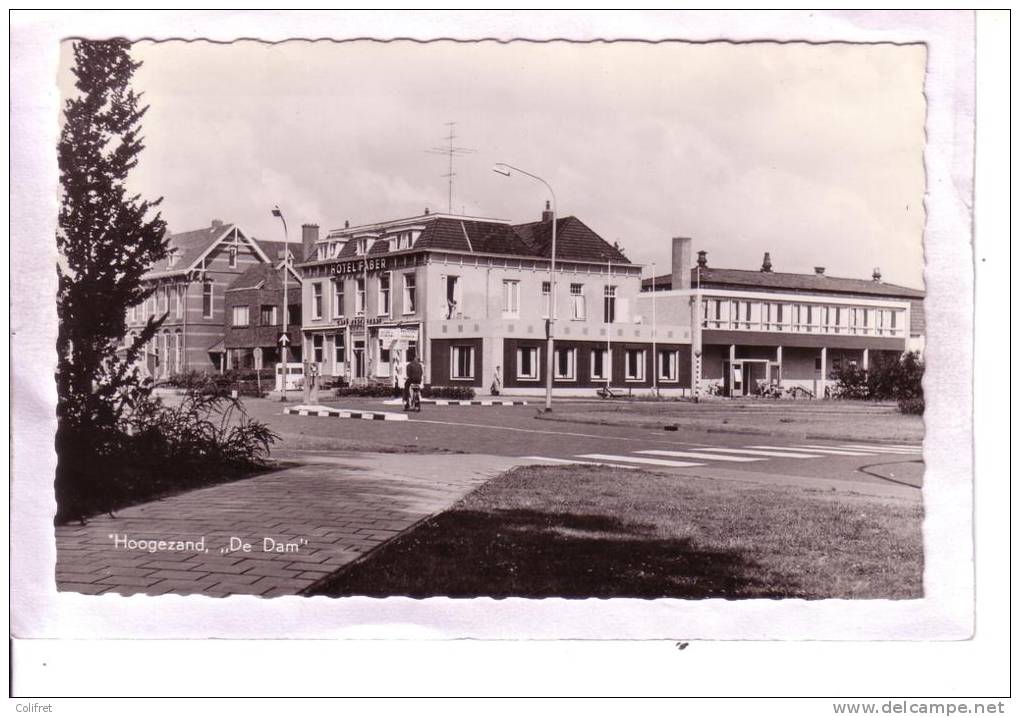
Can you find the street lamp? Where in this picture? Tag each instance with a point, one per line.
(284, 337)
(506, 170)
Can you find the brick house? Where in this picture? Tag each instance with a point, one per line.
(253, 320)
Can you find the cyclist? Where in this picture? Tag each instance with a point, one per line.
(415, 372)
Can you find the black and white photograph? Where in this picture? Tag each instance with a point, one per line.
(377, 330)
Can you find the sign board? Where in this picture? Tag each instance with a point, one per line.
(398, 334)
(358, 266)
(258, 357)
(284, 339)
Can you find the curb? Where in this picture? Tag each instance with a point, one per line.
(452, 402)
(327, 412)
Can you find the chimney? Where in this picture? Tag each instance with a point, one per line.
(309, 236)
(547, 214)
(876, 275)
(766, 263)
(681, 263)
(426, 211)
(819, 271)
(703, 259)
(347, 223)
(217, 223)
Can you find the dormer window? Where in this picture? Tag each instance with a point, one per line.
(172, 258)
(322, 252)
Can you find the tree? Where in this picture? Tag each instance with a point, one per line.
(106, 240)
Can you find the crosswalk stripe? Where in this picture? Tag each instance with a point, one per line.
(702, 456)
(770, 454)
(831, 450)
(566, 460)
(635, 459)
(883, 449)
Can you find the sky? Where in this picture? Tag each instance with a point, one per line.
(813, 153)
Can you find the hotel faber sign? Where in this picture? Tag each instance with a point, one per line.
(357, 267)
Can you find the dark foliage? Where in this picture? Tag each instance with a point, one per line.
(160, 449)
(913, 406)
(888, 379)
(247, 382)
(453, 393)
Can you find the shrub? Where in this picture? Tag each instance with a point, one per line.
(913, 406)
(888, 379)
(159, 449)
(453, 393)
(371, 391)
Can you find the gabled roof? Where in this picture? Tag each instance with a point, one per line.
(259, 276)
(574, 240)
(190, 247)
(738, 279)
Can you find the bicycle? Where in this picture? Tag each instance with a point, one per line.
(414, 400)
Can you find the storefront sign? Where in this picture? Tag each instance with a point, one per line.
(357, 267)
(402, 334)
(358, 321)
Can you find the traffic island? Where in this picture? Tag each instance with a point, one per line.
(333, 412)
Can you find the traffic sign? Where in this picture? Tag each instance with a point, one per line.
(284, 339)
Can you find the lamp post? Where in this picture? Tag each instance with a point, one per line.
(285, 337)
(506, 169)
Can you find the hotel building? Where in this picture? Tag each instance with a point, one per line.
(472, 297)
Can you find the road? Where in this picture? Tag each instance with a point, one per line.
(519, 432)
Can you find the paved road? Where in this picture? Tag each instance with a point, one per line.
(519, 432)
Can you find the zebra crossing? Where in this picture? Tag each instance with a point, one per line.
(695, 456)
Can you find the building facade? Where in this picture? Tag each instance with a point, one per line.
(190, 289)
(253, 319)
(752, 329)
(472, 297)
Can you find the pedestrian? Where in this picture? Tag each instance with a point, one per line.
(497, 383)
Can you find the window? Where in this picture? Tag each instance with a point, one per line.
(317, 343)
(171, 259)
(809, 318)
(322, 252)
(462, 362)
(892, 321)
(452, 297)
(409, 293)
(578, 311)
(565, 362)
(359, 295)
(317, 300)
(635, 364)
(179, 301)
(735, 315)
(527, 363)
(178, 353)
(133, 314)
(339, 349)
(837, 322)
(232, 257)
(667, 366)
(338, 298)
(600, 364)
(546, 298)
(384, 294)
(207, 300)
(268, 315)
(294, 315)
(511, 299)
(818, 363)
(240, 317)
(165, 299)
(609, 305)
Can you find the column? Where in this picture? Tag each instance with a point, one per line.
(864, 360)
(825, 363)
(779, 360)
(733, 360)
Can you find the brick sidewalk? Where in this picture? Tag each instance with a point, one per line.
(334, 508)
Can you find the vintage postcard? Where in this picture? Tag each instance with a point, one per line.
(500, 336)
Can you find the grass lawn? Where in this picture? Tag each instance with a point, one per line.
(605, 532)
(838, 420)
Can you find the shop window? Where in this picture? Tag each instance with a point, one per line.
(240, 316)
(268, 315)
(609, 305)
(384, 294)
(317, 300)
(667, 365)
(317, 348)
(511, 299)
(338, 298)
(565, 364)
(340, 349)
(527, 363)
(207, 300)
(600, 364)
(462, 362)
(578, 311)
(410, 293)
(635, 365)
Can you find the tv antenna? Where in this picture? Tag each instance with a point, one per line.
(450, 150)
